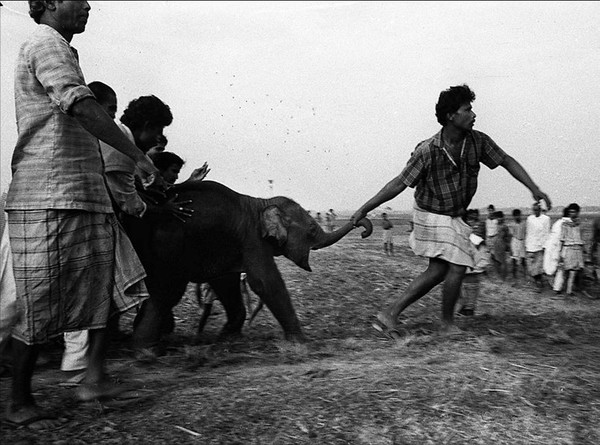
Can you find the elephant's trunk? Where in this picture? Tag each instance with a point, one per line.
(327, 239)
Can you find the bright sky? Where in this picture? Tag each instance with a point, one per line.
(328, 99)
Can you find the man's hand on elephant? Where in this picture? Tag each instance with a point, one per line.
(178, 209)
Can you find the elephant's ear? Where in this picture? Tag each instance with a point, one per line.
(273, 225)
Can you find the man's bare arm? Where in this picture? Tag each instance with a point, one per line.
(95, 120)
(518, 172)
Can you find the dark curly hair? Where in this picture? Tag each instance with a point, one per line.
(147, 110)
(36, 10)
(451, 100)
(165, 159)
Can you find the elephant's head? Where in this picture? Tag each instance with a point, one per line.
(295, 233)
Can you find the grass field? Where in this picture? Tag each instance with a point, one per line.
(524, 370)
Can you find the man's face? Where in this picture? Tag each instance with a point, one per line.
(171, 174)
(72, 16)
(463, 118)
(536, 209)
(110, 105)
(146, 138)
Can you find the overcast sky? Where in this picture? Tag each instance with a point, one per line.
(328, 99)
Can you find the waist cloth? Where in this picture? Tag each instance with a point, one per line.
(441, 236)
(72, 269)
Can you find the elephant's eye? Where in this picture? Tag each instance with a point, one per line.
(313, 230)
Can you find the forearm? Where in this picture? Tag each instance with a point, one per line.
(389, 191)
(97, 122)
(518, 172)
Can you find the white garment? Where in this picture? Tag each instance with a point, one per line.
(552, 248)
(491, 227)
(537, 232)
(75, 354)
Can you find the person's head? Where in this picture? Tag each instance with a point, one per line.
(573, 210)
(66, 17)
(169, 165)
(146, 117)
(472, 217)
(537, 209)
(159, 147)
(516, 213)
(491, 211)
(454, 107)
(384, 215)
(106, 97)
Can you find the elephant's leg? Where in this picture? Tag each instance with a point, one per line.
(227, 289)
(266, 281)
(156, 314)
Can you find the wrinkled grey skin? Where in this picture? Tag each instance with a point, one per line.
(227, 234)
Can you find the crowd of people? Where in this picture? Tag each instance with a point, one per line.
(75, 210)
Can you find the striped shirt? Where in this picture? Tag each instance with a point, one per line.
(443, 187)
(56, 163)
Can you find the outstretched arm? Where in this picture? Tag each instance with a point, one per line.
(518, 172)
(389, 191)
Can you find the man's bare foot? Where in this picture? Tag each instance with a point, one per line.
(449, 328)
(32, 417)
(96, 391)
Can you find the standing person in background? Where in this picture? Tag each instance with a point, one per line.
(571, 246)
(330, 218)
(444, 170)
(388, 236)
(595, 248)
(501, 245)
(57, 195)
(517, 243)
(552, 264)
(491, 229)
(469, 293)
(536, 234)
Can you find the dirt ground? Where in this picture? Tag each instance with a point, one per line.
(524, 370)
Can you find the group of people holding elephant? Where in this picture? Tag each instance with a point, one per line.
(58, 207)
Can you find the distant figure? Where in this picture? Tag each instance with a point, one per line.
(536, 234)
(595, 249)
(330, 218)
(491, 228)
(501, 245)
(319, 219)
(552, 263)
(469, 293)
(571, 243)
(388, 236)
(517, 243)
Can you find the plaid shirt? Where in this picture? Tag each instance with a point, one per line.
(441, 186)
(56, 163)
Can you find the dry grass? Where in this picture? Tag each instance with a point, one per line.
(524, 370)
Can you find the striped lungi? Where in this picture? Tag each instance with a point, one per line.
(71, 268)
(441, 236)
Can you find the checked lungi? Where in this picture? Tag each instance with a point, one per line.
(72, 268)
(441, 236)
